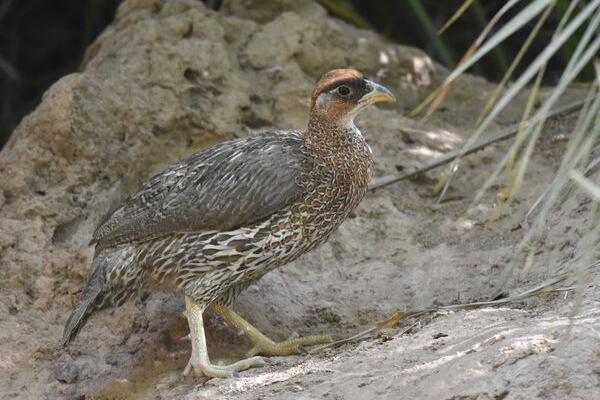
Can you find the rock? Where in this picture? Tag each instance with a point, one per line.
(264, 10)
(66, 372)
(168, 79)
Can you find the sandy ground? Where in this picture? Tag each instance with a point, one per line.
(166, 80)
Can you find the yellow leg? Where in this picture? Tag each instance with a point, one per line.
(199, 360)
(263, 344)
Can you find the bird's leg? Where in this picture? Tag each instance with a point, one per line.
(263, 344)
(199, 360)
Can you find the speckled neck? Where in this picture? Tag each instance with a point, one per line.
(343, 149)
(332, 136)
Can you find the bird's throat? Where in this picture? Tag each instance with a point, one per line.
(336, 134)
(340, 144)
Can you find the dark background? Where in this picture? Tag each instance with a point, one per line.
(43, 40)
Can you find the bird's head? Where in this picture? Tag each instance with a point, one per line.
(341, 94)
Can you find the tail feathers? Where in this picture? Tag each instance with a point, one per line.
(85, 304)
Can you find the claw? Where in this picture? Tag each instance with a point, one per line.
(199, 360)
(293, 335)
(295, 344)
(252, 352)
(188, 369)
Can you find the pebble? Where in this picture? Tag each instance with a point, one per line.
(66, 372)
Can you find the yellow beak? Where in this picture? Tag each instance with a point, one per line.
(378, 94)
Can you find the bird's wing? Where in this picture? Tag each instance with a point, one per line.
(232, 184)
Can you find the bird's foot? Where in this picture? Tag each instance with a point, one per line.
(206, 368)
(199, 361)
(262, 343)
(222, 371)
(293, 345)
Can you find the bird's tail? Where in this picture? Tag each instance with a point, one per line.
(126, 278)
(85, 303)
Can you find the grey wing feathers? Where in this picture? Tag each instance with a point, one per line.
(232, 184)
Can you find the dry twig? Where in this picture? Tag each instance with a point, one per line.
(548, 286)
(497, 136)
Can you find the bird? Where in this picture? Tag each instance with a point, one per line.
(211, 224)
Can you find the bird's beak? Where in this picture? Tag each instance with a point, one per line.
(378, 93)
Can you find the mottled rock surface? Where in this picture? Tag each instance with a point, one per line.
(167, 79)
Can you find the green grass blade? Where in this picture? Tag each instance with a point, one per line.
(516, 23)
(497, 52)
(524, 161)
(446, 87)
(585, 183)
(577, 149)
(567, 78)
(533, 68)
(430, 97)
(342, 11)
(513, 66)
(457, 14)
(441, 49)
(585, 38)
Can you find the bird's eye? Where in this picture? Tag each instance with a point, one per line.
(343, 90)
